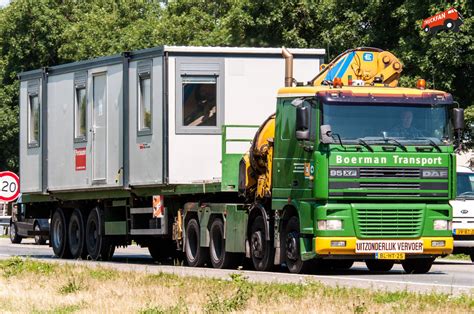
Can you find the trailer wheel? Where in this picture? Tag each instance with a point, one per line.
(39, 240)
(14, 237)
(195, 255)
(292, 248)
(162, 250)
(58, 232)
(76, 234)
(98, 245)
(379, 265)
(261, 250)
(219, 257)
(418, 265)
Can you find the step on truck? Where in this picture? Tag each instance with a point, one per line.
(166, 147)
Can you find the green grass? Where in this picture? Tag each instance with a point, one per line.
(16, 265)
(462, 257)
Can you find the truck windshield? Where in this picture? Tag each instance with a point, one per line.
(406, 123)
(465, 183)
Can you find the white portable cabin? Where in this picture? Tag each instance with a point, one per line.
(145, 118)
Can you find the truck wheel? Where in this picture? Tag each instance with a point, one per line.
(58, 232)
(76, 234)
(14, 237)
(219, 257)
(98, 245)
(379, 265)
(261, 250)
(449, 24)
(472, 257)
(427, 29)
(196, 256)
(292, 248)
(418, 265)
(39, 240)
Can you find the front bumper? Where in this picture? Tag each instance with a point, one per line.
(323, 246)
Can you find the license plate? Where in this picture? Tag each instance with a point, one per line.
(463, 231)
(396, 256)
(389, 246)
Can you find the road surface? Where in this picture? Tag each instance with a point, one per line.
(452, 277)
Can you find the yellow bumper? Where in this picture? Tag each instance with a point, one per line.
(323, 246)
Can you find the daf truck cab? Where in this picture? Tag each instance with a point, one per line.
(463, 213)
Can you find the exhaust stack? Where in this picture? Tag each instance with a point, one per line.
(288, 66)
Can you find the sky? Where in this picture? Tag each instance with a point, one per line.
(4, 2)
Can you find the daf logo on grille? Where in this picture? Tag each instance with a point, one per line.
(464, 211)
(433, 173)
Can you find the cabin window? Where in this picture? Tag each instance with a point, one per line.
(199, 96)
(33, 120)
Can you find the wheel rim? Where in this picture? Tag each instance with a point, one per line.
(57, 232)
(257, 244)
(12, 232)
(449, 25)
(37, 237)
(216, 250)
(292, 246)
(74, 234)
(93, 235)
(192, 245)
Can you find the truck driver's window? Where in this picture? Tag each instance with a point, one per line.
(33, 120)
(199, 101)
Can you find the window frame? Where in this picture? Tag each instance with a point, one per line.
(81, 138)
(33, 91)
(143, 75)
(187, 68)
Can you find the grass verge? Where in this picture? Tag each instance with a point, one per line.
(34, 286)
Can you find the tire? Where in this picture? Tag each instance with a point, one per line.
(292, 252)
(261, 251)
(162, 250)
(58, 233)
(379, 265)
(472, 257)
(39, 240)
(219, 257)
(426, 29)
(449, 24)
(98, 245)
(417, 266)
(76, 235)
(14, 237)
(196, 256)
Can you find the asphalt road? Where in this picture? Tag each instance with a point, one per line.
(452, 277)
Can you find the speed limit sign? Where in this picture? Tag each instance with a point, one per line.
(9, 186)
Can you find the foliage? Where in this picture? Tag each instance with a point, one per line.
(35, 34)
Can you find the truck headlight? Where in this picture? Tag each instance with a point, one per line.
(333, 224)
(439, 224)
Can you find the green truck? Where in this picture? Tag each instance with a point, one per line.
(349, 168)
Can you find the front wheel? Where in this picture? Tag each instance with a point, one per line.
(379, 265)
(418, 265)
(292, 248)
(14, 237)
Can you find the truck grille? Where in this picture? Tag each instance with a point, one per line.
(390, 185)
(389, 223)
(389, 172)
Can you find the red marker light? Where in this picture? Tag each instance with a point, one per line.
(421, 84)
(337, 82)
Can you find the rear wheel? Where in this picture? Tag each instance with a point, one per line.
(195, 255)
(14, 237)
(58, 231)
(261, 250)
(292, 248)
(417, 265)
(449, 24)
(162, 250)
(39, 240)
(98, 245)
(76, 235)
(379, 265)
(219, 257)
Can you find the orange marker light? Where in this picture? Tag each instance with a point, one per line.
(421, 84)
(337, 82)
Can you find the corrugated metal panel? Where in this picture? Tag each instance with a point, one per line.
(80, 79)
(144, 67)
(33, 87)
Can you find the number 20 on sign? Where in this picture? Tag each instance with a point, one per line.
(9, 186)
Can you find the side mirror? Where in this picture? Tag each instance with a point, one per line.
(302, 123)
(326, 134)
(458, 118)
